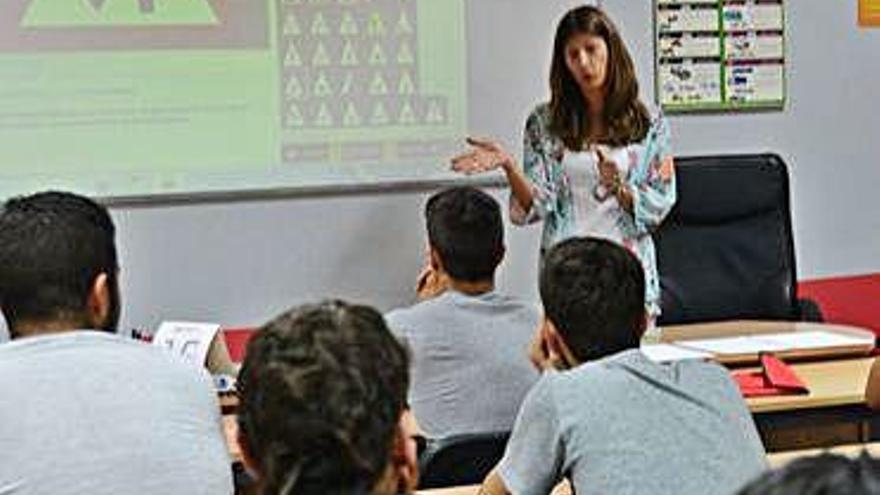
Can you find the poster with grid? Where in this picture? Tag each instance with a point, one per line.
(721, 55)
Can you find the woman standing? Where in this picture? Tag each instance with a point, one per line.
(595, 162)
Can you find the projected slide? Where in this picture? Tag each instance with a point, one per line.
(138, 97)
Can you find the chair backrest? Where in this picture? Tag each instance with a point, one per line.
(726, 250)
(460, 459)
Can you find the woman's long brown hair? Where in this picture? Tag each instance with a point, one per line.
(625, 117)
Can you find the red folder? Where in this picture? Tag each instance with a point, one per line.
(774, 378)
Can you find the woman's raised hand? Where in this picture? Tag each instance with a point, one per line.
(484, 155)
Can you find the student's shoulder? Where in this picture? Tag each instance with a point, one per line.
(708, 375)
(418, 312)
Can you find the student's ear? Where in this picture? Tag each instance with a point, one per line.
(500, 255)
(434, 259)
(98, 302)
(404, 456)
(560, 354)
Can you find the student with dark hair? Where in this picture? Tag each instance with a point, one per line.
(93, 412)
(468, 341)
(323, 396)
(607, 417)
(825, 474)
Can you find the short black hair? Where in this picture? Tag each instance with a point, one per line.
(466, 230)
(593, 291)
(824, 474)
(52, 247)
(322, 390)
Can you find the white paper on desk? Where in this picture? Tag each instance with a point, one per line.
(775, 342)
(746, 344)
(667, 353)
(186, 340)
(817, 339)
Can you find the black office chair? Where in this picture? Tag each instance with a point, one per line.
(460, 459)
(726, 250)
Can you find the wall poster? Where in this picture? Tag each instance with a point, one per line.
(719, 55)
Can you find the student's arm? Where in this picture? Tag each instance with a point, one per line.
(650, 193)
(493, 485)
(872, 392)
(533, 458)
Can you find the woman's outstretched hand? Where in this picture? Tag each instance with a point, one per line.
(484, 155)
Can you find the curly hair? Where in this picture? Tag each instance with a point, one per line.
(322, 389)
(626, 118)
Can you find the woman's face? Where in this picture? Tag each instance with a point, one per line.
(586, 57)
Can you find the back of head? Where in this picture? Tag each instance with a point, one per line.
(593, 291)
(322, 389)
(825, 474)
(52, 247)
(465, 229)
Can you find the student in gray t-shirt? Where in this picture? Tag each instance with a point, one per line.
(469, 343)
(86, 411)
(612, 421)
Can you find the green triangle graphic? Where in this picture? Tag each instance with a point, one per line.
(74, 13)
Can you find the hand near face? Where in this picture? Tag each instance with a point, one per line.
(484, 155)
(542, 352)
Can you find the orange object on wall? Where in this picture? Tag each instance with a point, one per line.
(869, 13)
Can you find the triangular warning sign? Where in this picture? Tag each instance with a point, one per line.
(346, 85)
(406, 86)
(322, 88)
(435, 113)
(323, 118)
(348, 26)
(403, 25)
(377, 55)
(407, 116)
(319, 25)
(291, 26)
(376, 26)
(378, 87)
(293, 88)
(294, 116)
(379, 115)
(320, 59)
(351, 118)
(349, 55)
(291, 56)
(405, 55)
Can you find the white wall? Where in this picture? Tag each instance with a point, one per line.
(240, 263)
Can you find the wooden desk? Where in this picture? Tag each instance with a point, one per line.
(831, 384)
(834, 412)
